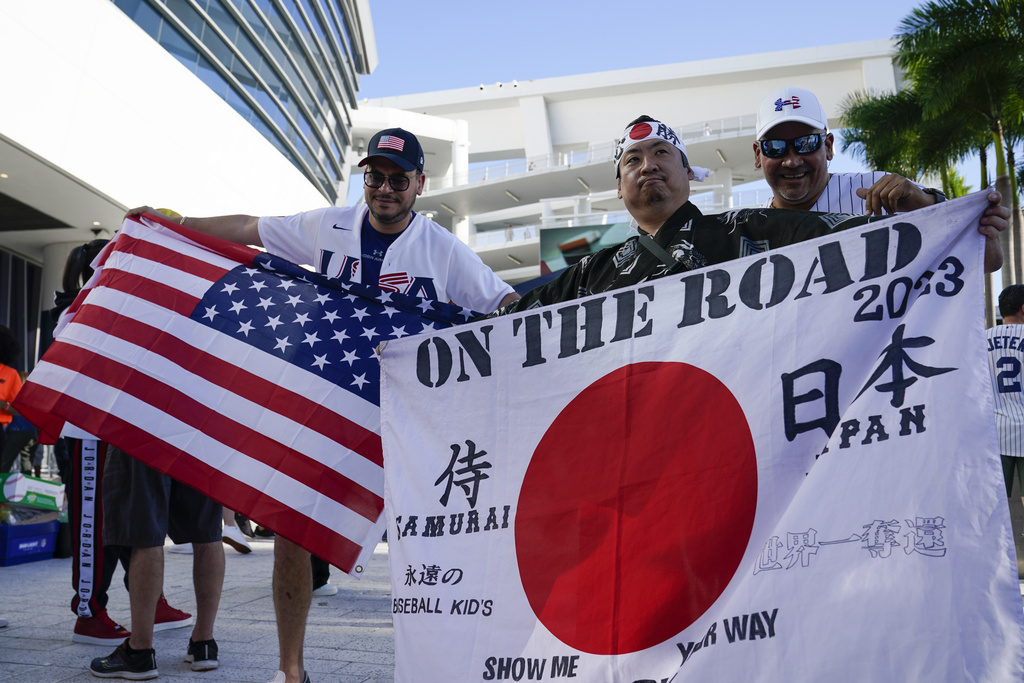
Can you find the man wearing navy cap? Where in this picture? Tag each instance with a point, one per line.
(393, 153)
(382, 242)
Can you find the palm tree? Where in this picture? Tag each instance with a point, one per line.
(968, 56)
(890, 132)
(883, 131)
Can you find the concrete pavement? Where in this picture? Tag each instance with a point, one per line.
(349, 636)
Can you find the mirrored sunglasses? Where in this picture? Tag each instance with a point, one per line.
(805, 144)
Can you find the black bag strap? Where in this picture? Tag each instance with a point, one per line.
(648, 243)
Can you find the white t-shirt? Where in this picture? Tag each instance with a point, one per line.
(1006, 360)
(426, 260)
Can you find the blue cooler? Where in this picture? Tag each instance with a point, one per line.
(20, 543)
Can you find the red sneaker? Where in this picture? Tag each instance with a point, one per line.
(167, 617)
(99, 630)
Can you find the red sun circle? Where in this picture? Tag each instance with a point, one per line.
(640, 131)
(636, 508)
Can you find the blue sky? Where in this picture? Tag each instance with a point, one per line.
(426, 46)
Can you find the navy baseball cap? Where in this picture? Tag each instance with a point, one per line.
(397, 145)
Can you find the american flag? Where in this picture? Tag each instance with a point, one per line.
(394, 282)
(793, 102)
(238, 373)
(391, 142)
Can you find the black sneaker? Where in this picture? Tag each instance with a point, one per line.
(124, 662)
(244, 526)
(202, 655)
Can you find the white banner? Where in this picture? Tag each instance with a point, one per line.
(783, 468)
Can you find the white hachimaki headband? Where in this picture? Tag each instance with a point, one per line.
(649, 130)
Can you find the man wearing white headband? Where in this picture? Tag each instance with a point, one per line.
(653, 175)
(653, 180)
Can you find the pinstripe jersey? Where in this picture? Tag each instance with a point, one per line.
(1006, 359)
(840, 195)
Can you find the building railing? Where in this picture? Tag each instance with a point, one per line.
(522, 167)
(741, 199)
(706, 202)
(592, 154)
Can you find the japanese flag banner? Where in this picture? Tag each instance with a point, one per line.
(783, 468)
(249, 378)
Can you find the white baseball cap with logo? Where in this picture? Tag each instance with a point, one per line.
(790, 104)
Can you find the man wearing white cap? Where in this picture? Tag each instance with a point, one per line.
(653, 176)
(793, 148)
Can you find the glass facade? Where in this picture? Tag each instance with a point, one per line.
(289, 67)
(20, 283)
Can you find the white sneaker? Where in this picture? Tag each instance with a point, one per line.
(279, 677)
(233, 537)
(325, 590)
(183, 548)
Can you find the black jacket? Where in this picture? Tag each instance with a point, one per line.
(692, 240)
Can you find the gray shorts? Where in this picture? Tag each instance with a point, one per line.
(141, 506)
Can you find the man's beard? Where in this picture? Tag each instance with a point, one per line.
(401, 213)
(654, 195)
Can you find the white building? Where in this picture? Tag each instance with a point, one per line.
(538, 154)
(225, 106)
(202, 106)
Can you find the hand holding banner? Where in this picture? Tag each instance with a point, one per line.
(238, 373)
(779, 468)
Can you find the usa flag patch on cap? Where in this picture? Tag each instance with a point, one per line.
(391, 142)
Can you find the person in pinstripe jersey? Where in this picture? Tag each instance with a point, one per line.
(1006, 359)
(793, 148)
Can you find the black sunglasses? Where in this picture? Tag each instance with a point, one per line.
(399, 182)
(805, 144)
